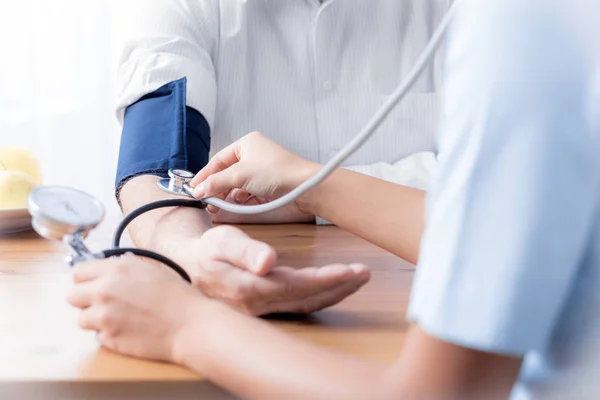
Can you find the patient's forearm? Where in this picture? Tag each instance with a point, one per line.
(164, 230)
(386, 214)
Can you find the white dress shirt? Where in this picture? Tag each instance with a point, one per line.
(511, 255)
(306, 73)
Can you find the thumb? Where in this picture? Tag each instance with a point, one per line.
(231, 178)
(240, 250)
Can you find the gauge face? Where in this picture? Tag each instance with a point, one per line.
(66, 206)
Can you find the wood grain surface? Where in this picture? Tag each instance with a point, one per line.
(41, 343)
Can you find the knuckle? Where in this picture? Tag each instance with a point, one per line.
(103, 295)
(218, 160)
(78, 274)
(121, 267)
(243, 251)
(108, 339)
(238, 296)
(245, 296)
(208, 185)
(105, 341)
(81, 321)
(241, 297)
(254, 135)
(289, 290)
(203, 286)
(238, 178)
(105, 319)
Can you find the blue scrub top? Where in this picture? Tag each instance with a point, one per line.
(510, 257)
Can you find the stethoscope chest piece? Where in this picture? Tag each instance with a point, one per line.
(178, 182)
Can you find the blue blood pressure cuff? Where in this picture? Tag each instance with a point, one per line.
(159, 133)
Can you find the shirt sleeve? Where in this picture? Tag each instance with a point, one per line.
(511, 209)
(166, 85)
(164, 41)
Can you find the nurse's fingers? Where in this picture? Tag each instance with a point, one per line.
(222, 196)
(237, 196)
(221, 161)
(92, 319)
(222, 182)
(240, 196)
(81, 295)
(89, 270)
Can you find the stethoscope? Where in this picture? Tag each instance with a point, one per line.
(69, 215)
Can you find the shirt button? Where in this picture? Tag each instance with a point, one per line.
(327, 85)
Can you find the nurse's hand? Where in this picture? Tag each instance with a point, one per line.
(140, 308)
(227, 265)
(257, 166)
(288, 214)
(136, 307)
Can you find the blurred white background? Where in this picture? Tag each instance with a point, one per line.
(57, 89)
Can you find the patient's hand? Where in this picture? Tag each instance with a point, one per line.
(226, 264)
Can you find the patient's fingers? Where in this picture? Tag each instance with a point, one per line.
(318, 300)
(233, 246)
(308, 289)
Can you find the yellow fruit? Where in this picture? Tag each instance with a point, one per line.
(14, 189)
(20, 159)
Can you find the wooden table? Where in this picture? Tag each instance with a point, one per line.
(43, 354)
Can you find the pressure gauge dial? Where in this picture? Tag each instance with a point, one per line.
(59, 211)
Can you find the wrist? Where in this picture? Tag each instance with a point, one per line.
(191, 343)
(185, 339)
(308, 202)
(173, 232)
(181, 249)
(295, 174)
